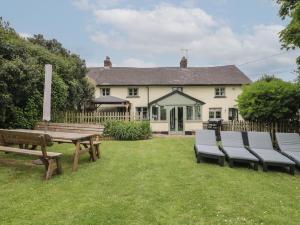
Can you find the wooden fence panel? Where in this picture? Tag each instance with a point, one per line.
(272, 128)
(93, 117)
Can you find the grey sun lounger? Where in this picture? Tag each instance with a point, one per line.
(289, 144)
(260, 144)
(206, 146)
(235, 151)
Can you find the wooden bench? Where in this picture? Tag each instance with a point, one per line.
(75, 128)
(40, 141)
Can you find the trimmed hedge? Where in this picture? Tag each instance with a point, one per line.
(125, 130)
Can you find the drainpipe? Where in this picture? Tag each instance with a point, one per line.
(148, 102)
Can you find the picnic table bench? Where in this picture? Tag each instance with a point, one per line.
(23, 139)
(77, 139)
(94, 129)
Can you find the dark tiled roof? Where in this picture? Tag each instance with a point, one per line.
(219, 75)
(109, 100)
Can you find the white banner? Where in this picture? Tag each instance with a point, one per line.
(47, 93)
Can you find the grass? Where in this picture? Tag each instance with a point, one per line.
(145, 182)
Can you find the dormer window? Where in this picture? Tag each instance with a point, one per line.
(220, 92)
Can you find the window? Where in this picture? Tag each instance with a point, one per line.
(220, 92)
(133, 92)
(189, 113)
(197, 112)
(154, 112)
(233, 114)
(105, 91)
(142, 112)
(177, 89)
(159, 113)
(163, 113)
(215, 113)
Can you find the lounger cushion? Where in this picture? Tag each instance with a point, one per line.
(288, 141)
(232, 139)
(294, 155)
(210, 150)
(260, 140)
(272, 156)
(239, 153)
(206, 137)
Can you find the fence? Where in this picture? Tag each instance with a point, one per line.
(92, 117)
(281, 126)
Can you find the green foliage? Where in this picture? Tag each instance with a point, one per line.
(269, 101)
(22, 78)
(290, 36)
(268, 78)
(123, 130)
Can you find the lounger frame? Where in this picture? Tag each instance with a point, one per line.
(266, 164)
(232, 160)
(200, 155)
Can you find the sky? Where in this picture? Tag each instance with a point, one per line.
(153, 33)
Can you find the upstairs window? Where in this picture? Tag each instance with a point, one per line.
(105, 91)
(177, 89)
(133, 92)
(220, 92)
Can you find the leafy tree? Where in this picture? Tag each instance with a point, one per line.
(290, 36)
(269, 101)
(22, 78)
(268, 78)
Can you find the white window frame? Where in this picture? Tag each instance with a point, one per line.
(104, 91)
(177, 89)
(131, 92)
(140, 112)
(220, 92)
(214, 111)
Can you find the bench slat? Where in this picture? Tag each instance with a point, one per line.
(28, 152)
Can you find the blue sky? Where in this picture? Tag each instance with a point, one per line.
(152, 33)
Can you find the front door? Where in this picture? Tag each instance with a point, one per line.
(176, 119)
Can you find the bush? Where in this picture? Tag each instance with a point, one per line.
(124, 130)
(269, 100)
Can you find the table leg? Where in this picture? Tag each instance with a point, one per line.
(76, 156)
(94, 158)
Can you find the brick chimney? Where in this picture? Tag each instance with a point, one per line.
(107, 63)
(183, 63)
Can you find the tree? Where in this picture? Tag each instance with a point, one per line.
(22, 78)
(290, 36)
(269, 101)
(268, 78)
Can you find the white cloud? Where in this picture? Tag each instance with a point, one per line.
(132, 62)
(164, 29)
(96, 4)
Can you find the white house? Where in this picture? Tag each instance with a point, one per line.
(175, 99)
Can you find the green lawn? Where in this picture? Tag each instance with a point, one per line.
(145, 182)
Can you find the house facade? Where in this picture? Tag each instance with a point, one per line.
(175, 100)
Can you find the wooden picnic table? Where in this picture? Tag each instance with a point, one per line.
(76, 139)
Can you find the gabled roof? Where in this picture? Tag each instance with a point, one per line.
(118, 76)
(179, 93)
(109, 100)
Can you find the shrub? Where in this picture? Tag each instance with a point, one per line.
(269, 100)
(124, 130)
